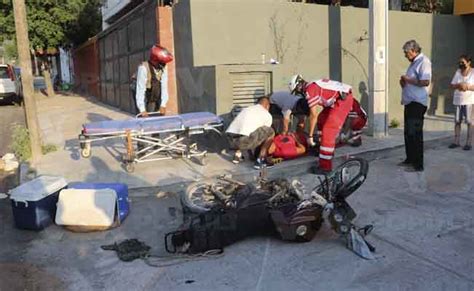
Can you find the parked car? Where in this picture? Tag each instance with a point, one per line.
(9, 89)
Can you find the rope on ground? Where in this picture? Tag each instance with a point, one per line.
(131, 249)
(167, 261)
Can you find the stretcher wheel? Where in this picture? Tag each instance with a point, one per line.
(130, 167)
(86, 151)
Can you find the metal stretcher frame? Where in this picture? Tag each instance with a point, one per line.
(153, 138)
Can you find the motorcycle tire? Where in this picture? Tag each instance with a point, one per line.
(199, 197)
(346, 178)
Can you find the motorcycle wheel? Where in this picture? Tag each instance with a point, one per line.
(345, 178)
(201, 196)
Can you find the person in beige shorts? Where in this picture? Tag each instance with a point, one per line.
(463, 100)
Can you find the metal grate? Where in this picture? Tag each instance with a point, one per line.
(247, 87)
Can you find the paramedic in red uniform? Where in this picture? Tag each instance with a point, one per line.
(355, 122)
(336, 99)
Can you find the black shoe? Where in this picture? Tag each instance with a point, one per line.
(414, 169)
(467, 147)
(259, 164)
(453, 146)
(405, 163)
(356, 143)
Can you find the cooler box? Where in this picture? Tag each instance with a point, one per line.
(123, 207)
(34, 202)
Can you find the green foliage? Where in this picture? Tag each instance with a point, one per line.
(21, 142)
(394, 123)
(429, 6)
(49, 148)
(53, 23)
(10, 50)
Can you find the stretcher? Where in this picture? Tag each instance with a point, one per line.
(153, 138)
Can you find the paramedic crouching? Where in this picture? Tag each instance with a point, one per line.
(251, 129)
(152, 82)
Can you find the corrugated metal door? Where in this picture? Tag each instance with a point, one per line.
(247, 87)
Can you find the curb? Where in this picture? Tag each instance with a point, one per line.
(297, 167)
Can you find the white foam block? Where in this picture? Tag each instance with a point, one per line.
(86, 207)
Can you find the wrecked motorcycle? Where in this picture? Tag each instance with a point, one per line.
(221, 211)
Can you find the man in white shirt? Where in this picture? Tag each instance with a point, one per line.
(251, 129)
(283, 103)
(415, 90)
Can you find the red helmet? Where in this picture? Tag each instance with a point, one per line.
(160, 55)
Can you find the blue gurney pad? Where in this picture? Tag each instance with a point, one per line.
(153, 124)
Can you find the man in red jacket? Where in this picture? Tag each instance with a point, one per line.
(351, 132)
(336, 99)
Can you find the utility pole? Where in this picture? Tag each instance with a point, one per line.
(378, 73)
(23, 45)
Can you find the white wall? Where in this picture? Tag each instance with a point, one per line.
(110, 8)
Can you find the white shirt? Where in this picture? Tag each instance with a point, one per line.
(142, 76)
(419, 69)
(285, 100)
(463, 97)
(249, 119)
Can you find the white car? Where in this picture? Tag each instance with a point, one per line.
(9, 89)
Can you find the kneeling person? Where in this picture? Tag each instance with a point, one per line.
(285, 104)
(250, 129)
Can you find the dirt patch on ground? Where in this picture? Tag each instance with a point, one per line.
(15, 276)
(8, 180)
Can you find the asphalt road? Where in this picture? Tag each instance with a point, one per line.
(423, 234)
(9, 115)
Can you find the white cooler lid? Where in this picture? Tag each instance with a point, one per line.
(37, 188)
(86, 207)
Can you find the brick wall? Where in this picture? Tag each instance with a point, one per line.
(86, 68)
(164, 19)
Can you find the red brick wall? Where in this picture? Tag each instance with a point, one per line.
(164, 24)
(86, 68)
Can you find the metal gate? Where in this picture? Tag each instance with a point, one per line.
(122, 47)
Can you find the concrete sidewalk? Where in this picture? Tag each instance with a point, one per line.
(61, 120)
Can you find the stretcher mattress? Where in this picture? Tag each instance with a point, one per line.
(154, 124)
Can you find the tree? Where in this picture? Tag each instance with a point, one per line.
(21, 27)
(53, 24)
(10, 50)
(427, 6)
(396, 5)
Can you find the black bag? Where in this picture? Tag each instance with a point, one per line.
(222, 226)
(297, 224)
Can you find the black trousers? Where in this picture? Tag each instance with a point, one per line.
(414, 116)
(153, 106)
